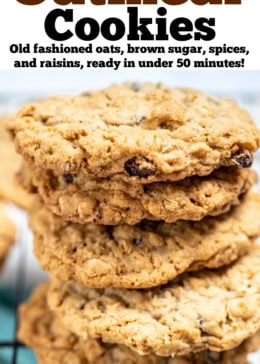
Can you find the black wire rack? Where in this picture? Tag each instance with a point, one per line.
(11, 344)
(20, 275)
(14, 344)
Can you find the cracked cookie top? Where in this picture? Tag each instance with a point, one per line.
(141, 133)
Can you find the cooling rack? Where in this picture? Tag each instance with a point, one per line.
(10, 345)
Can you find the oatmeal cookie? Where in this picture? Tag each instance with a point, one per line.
(78, 198)
(10, 163)
(144, 255)
(206, 310)
(40, 329)
(7, 233)
(140, 133)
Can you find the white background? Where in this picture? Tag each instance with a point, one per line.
(48, 82)
(236, 25)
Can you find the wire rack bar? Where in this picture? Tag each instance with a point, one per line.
(19, 296)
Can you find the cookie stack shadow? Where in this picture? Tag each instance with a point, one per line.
(145, 217)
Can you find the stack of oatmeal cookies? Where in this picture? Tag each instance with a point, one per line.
(145, 218)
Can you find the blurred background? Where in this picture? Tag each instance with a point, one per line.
(23, 84)
(21, 272)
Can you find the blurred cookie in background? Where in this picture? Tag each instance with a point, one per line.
(10, 163)
(7, 233)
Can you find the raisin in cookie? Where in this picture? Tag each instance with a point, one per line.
(7, 233)
(141, 133)
(81, 199)
(206, 310)
(10, 163)
(40, 329)
(145, 255)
